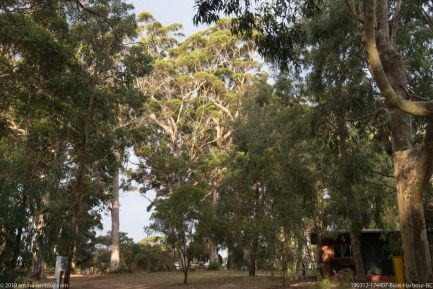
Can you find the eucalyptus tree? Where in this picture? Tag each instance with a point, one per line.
(270, 180)
(127, 103)
(33, 56)
(412, 159)
(279, 27)
(347, 126)
(194, 93)
(179, 218)
(100, 47)
(61, 76)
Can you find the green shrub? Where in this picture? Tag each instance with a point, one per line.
(329, 284)
(214, 266)
(101, 260)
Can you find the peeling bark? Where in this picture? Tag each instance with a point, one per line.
(115, 222)
(416, 252)
(38, 262)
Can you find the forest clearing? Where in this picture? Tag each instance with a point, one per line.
(205, 142)
(167, 280)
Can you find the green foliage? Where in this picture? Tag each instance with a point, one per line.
(264, 203)
(276, 28)
(37, 46)
(179, 218)
(148, 255)
(195, 90)
(61, 81)
(250, 166)
(154, 258)
(353, 143)
(329, 284)
(214, 266)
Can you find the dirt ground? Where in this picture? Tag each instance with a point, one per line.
(168, 280)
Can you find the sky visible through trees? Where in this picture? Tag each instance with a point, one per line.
(293, 136)
(133, 216)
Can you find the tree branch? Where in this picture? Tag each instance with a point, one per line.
(222, 107)
(427, 18)
(91, 11)
(381, 16)
(353, 11)
(428, 139)
(15, 128)
(153, 118)
(394, 22)
(423, 109)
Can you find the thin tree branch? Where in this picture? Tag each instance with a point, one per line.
(353, 11)
(220, 106)
(394, 22)
(91, 11)
(383, 174)
(15, 128)
(427, 18)
(153, 118)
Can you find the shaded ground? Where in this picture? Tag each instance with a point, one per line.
(166, 280)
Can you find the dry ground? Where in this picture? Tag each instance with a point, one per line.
(168, 280)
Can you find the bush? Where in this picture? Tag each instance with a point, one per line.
(120, 270)
(346, 275)
(325, 284)
(101, 260)
(214, 266)
(149, 255)
(329, 284)
(149, 258)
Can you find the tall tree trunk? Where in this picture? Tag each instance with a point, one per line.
(79, 187)
(253, 258)
(319, 253)
(18, 239)
(115, 248)
(357, 258)
(185, 276)
(298, 255)
(255, 243)
(409, 175)
(412, 164)
(75, 212)
(229, 258)
(213, 253)
(38, 262)
(184, 262)
(16, 249)
(38, 267)
(70, 250)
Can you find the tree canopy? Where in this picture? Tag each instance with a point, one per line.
(288, 120)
